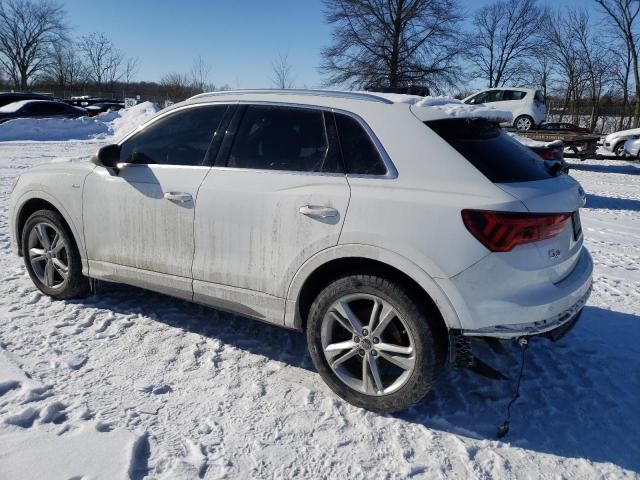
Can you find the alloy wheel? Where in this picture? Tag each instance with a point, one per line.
(367, 344)
(523, 124)
(48, 255)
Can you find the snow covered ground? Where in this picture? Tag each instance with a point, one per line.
(133, 384)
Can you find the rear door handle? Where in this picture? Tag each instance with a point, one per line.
(318, 212)
(178, 197)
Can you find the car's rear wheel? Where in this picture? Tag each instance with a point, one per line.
(524, 122)
(51, 256)
(372, 344)
(619, 150)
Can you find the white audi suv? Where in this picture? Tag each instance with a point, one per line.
(390, 233)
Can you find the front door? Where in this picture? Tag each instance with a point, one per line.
(138, 224)
(280, 197)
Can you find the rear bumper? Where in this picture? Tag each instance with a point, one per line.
(553, 328)
(523, 303)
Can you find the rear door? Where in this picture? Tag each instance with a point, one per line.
(277, 195)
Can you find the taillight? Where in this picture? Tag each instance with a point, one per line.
(502, 231)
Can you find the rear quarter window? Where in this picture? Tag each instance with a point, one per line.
(488, 148)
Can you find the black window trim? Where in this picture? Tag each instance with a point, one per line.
(221, 156)
(222, 164)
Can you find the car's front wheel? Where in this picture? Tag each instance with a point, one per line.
(619, 150)
(524, 122)
(372, 344)
(51, 256)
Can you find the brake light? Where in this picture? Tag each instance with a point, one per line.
(502, 231)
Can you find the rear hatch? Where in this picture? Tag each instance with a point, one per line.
(550, 237)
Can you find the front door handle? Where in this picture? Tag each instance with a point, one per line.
(178, 197)
(318, 212)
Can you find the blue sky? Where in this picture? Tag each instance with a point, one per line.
(239, 39)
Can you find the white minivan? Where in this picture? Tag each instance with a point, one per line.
(391, 234)
(526, 104)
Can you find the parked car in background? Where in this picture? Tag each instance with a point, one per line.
(86, 101)
(102, 107)
(614, 142)
(39, 109)
(307, 210)
(526, 104)
(632, 148)
(563, 127)
(7, 98)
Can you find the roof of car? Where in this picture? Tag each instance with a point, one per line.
(508, 88)
(371, 97)
(360, 103)
(15, 106)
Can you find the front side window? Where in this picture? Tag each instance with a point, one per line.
(181, 138)
(477, 99)
(283, 138)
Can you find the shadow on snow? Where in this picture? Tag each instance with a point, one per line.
(575, 399)
(612, 203)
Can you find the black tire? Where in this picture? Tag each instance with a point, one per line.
(619, 150)
(75, 284)
(524, 119)
(429, 352)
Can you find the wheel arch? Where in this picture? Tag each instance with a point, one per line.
(320, 269)
(33, 201)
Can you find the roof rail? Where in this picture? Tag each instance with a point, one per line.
(322, 93)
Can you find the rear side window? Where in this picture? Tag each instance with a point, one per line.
(283, 138)
(488, 148)
(513, 95)
(181, 138)
(359, 153)
(44, 109)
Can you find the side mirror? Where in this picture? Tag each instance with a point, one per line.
(108, 157)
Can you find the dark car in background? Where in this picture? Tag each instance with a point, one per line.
(39, 109)
(563, 127)
(6, 98)
(102, 107)
(87, 101)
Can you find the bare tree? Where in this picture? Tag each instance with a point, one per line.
(200, 71)
(392, 43)
(564, 51)
(177, 86)
(65, 67)
(621, 73)
(282, 71)
(103, 59)
(593, 55)
(27, 31)
(131, 68)
(623, 17)
(505, 34)
(541, 67)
